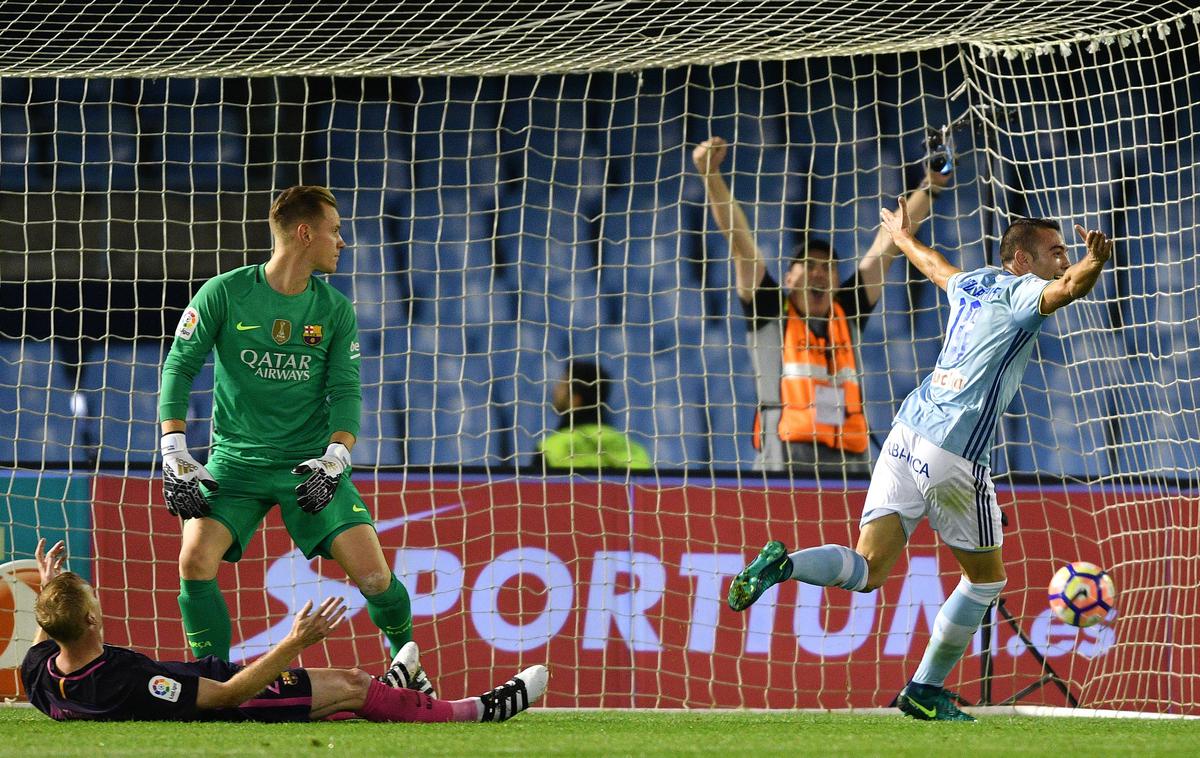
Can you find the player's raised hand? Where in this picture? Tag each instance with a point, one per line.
(182, 477)
(709, 155)
(310, 627)
(896, 223)
(50, 564)
(324, 473)
(1098, 245)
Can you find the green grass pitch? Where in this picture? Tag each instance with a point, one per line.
(614, 733)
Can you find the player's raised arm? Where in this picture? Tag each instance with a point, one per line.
(1080, 278)
(748, 265)
(309, 628)
(928, 261)
(50, 565)
(872, 269)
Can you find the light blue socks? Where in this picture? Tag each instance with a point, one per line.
(830, 566)
(956, 623)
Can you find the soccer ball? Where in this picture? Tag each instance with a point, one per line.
(1081, 593)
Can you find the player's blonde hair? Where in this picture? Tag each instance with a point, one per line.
(299, 204)
(63, 605)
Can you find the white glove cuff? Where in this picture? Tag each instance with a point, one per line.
(173, 443)
(338, 452)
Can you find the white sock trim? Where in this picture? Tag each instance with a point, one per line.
(845, 554)
(984, 593)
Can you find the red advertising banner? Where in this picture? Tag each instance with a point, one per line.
(620, 589)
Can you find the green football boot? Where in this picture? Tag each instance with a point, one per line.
(771, 567)
(937, 705)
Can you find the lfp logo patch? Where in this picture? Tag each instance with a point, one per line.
(165, 688)
(187, 324)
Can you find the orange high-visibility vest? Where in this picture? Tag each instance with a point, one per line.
(805, 366)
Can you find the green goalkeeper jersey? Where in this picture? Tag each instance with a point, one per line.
(286, 370)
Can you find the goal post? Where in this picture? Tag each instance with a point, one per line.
(517, 192)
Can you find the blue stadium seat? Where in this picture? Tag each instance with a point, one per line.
(19, 152)
(380, 437)
(204, 138)
(674, 427)
(362, 146)
(726, 414)
(129, 403)
(39, 418)
(95, 146)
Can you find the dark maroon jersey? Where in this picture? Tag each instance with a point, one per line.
(123, 685)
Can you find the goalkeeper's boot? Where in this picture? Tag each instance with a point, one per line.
(515, 695)
(926, 703)
(407, 673)
(771, 567)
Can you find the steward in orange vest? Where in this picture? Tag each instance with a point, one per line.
(819, 389)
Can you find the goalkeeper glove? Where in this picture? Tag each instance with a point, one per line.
(315, 492)
(182, 477)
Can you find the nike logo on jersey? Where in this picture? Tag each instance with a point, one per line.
(247, 327)
(193, 634)
(357, 509)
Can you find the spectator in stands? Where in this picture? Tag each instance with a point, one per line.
(803, 335)
(583, 440)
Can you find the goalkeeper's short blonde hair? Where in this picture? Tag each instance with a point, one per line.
(300, 204)
(63, 606)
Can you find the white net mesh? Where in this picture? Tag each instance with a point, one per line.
(501, 226)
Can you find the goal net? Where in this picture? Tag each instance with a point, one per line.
(517, 193)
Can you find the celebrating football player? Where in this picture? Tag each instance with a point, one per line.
(935, 464)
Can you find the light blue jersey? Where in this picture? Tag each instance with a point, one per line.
(994, 319)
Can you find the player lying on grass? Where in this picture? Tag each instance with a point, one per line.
(70, 674)
(935, 462)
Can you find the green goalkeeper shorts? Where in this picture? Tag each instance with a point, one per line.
(249, 490)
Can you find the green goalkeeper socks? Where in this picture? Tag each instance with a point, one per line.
(391, 611)
(206, 617)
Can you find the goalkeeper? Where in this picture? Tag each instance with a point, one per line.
(286, 406)
(803, 336)
(70, 674)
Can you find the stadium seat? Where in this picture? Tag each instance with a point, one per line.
(204, 139)
(379, 438)
(129, 404)
(95, 145)
(38, 403)
(20, 168)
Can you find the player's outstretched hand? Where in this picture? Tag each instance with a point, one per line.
(324, 473)
(1099, 246)
(896, 223)
(310, 627)
(50, 564)
(709, 155)
(182, 477)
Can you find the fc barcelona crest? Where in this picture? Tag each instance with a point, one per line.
(281, 331)
(312, 334)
